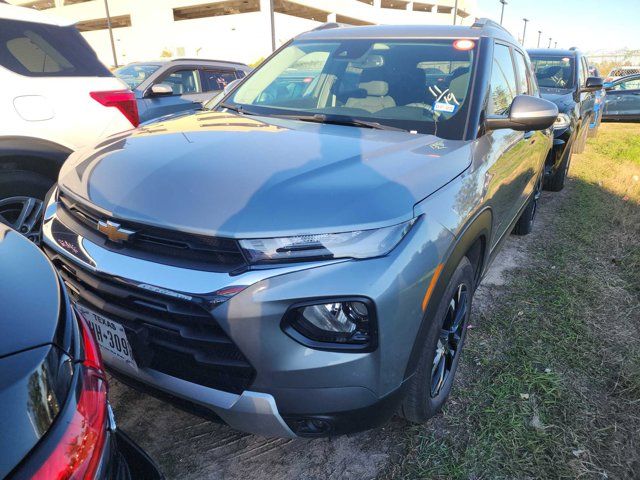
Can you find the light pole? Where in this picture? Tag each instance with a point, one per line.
(273, 27)
(503, 2)
(549, 43)
(113, 45)
(524, 32)
(455, 12)
(555, 45)
(539, 35)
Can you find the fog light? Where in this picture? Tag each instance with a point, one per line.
(310, 427)
(345, 324)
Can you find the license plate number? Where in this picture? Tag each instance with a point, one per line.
(111, 338)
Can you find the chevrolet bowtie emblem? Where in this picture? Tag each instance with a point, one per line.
(114, 231)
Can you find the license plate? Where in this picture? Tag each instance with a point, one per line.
(111, 337)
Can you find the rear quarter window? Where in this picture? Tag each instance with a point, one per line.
(38, 50)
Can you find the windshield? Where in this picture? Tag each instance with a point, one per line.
(134, 75)
(420, 85)
(554, 71)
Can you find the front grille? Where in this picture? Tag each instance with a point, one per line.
(177, 337)
(158, 244)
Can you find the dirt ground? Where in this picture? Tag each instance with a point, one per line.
(188, 447)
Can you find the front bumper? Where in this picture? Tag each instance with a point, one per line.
(293, 383)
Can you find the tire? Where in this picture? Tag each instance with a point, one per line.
(556, 182)
(419, 403)
(524, 225)
(21, 190)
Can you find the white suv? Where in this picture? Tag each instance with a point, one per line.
(56, 97)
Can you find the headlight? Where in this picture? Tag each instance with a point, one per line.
(357, 244)
(563, 121)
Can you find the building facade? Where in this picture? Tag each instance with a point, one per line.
(239, 30)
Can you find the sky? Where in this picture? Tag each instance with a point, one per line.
(591, 25)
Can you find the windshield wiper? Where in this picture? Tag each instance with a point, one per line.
(233, 108)
(354, 122)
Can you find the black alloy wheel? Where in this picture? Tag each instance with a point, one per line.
(23, 214)
(450, 340)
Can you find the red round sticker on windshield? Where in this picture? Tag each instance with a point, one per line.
(464, 44)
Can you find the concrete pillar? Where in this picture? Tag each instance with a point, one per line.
(377, 3)
(410, 6)
(332, 17)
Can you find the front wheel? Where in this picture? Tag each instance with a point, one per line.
(430, 386)
(556, 182)
(21, 201)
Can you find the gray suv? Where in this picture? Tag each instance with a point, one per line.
(179, 85)
(300, 260)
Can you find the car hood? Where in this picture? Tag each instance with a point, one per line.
(245, 176)
(561, 97)
(30, 296)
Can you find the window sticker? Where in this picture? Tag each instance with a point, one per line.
(444, 107)
(447, 95)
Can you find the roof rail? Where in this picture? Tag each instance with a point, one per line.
(327, 26)
(205, 60)
(483, 22)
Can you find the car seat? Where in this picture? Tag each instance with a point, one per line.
(376, 97)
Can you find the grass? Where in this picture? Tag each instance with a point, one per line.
(549, 385)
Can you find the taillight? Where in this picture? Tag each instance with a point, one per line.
(77, 453)
(123, 100)
(92, 357)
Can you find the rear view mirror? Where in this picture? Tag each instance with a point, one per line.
(526, 113)
(592, 84)
(161, 89)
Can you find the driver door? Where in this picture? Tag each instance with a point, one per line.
(187, 88)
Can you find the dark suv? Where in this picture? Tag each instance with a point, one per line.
(184, 84)
(563, 77)
(301, 259)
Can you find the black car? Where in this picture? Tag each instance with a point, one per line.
(55, 419)
(563, 78)
(622, 102)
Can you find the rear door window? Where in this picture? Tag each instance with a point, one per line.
(218, 79)
(38, 50)
(503, 81)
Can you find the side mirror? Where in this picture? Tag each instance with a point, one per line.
(526, 113)
(230, 86)
(161, 89)
(592, 84)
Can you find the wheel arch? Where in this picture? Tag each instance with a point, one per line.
(473, 242)
(32, 154)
